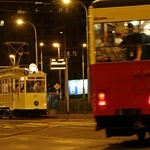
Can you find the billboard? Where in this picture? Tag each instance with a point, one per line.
(75, 87)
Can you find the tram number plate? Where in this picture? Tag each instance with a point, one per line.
(129, 111)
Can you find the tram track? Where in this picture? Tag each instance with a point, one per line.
(16, 130)
(12, 128)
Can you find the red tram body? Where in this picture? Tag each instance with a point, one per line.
(120, 88)
(128, 86)
(121, 96)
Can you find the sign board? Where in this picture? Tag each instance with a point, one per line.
(57, 63)
(56, 86)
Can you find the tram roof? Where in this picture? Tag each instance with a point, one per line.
(115, 3)
(18, 71)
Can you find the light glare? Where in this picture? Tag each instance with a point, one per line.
(56, 44)
(66, 1)
(19, 21)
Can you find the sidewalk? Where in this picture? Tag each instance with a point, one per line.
(53, 114)
(73, 116)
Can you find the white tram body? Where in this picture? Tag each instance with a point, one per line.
(24, 92)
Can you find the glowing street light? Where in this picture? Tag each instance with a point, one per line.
(35, 33)
(86, 15)
(41, 45)
(13, 59)
(58, 48)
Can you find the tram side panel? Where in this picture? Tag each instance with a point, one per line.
(120, 96)
(6, 100)
(30, 104)
(35, 101)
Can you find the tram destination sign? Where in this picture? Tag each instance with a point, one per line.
(57, 63)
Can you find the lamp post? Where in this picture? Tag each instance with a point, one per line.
(66, 73)
(83, 74)
(35, 36)
(86, 15)
(58, 48)
(41, 45)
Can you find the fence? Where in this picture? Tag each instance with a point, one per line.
(75, 106)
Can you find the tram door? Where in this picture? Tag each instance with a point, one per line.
(18, 93)
(6, 91)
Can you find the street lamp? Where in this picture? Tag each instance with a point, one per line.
(13, 59)
(35, 33)
(66, 73)
(86, 15)
(83, 74)
(41, 45)
(58, 48)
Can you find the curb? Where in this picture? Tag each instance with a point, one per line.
(70, 116)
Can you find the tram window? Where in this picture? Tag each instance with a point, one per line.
(108, 37)
(40, 78)
(39, 86)
(22, 84)
(9, 83)
(31, 77)
(3, 91)
(17, 85)
(35, 86)
(29, 86)
(6, 86)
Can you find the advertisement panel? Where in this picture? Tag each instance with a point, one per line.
(75, 87)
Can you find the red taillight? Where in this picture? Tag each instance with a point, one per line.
(102, 103)
(101, 99)
(101, 95)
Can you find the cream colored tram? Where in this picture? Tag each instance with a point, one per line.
(23, 91)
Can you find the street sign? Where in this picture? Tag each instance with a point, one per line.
(57, 63)
(56, 86)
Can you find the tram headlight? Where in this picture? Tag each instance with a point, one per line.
(33, 68)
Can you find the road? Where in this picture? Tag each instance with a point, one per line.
(61, 134)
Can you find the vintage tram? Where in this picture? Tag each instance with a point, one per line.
(23, 91)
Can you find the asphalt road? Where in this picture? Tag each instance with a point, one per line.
(62, 134)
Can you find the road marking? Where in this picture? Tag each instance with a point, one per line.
(32, 125)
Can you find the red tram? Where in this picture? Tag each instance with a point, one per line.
(120, 89)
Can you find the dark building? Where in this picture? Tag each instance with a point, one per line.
(54, 22)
